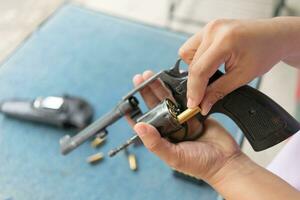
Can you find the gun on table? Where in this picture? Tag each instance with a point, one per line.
(263, 121)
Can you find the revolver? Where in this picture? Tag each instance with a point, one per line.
(263, 122)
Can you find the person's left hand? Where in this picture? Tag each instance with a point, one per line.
(201, 158)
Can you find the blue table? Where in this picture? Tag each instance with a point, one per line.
(92, 55)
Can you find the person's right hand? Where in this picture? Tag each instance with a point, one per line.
(248, 49)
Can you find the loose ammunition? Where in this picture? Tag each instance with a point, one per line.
(95, 158)
(132, 162)
(97, 142)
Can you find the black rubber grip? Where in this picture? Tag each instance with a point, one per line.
(263, 121)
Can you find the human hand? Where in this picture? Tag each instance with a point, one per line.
(201, 158)
(249, 48)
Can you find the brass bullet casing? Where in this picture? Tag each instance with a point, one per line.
(95, 158)
(97, 142)
(187, 114)
(132, 162)
(99, 139)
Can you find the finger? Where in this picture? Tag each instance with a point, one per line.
(130, 120)
(150, 99)
(221, 87)
(157, 87)
(189, 48)
(156, 144)
(205, 44)
(200, 51)
(201, 71)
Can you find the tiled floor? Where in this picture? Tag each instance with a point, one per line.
(19, 18)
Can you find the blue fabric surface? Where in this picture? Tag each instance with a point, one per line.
(94, 56)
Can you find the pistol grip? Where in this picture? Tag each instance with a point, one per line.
(263, 121)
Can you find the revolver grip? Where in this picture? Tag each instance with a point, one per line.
(263, 121)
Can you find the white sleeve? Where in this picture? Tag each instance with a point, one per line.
(287, 163)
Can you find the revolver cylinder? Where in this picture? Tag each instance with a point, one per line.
(163, 117)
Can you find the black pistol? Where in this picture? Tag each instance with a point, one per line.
(66, 111)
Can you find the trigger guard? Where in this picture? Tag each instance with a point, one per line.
(176, 140)
(198, 133)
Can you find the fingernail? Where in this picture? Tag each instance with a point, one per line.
(136, 78)
(147, 74)
(191, 103)
(206, 108)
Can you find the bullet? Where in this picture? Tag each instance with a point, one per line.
(187, 114)
(97, 142)
(132, 162)
(95, 158)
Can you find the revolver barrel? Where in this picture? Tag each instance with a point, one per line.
(68, 143)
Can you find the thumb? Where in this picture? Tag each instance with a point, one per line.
(155, 143)
(220, 88)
